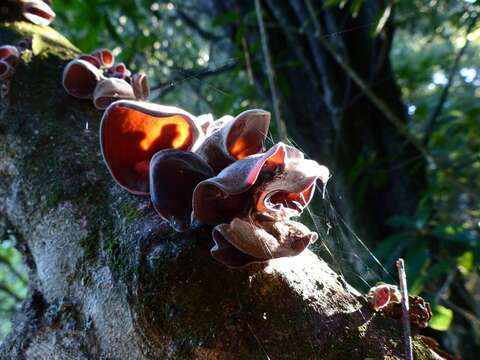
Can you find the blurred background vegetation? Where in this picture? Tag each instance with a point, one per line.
(407, 190)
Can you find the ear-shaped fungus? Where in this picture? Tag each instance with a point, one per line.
(140, 85)
(10, 54)
(120, 71)
(253, 200)
(109, 90)
(235, 139)
(131, 132)
(105, 56)
(174, 174)
(80, 78)
(37, 12)
(280, 180)
(91, 59)
(243, 242)
(381, 295)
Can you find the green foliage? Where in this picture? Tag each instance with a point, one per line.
(442, 318)
(13, 279)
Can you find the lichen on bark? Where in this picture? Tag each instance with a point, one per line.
(109, 279)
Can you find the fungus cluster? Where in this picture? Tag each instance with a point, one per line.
(37, 11)
(200, 171)
(386, 300)
(96, 76)
(10, 56)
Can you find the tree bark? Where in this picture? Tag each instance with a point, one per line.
(109, 280)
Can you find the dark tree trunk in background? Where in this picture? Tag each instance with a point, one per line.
(377, 173)
(109, 280)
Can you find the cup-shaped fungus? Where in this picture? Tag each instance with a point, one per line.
(105, 56)
(232, 139)
(253, 200)
(119, 71)
(37, 11)
(80, 78)
(131, 132)
(10, 54)
(110, 90)
(259, 238)
(174, 174)
(381, 295)
(280, 180)
(140, 85)
(91, 59)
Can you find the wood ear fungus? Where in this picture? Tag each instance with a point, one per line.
(80, 78)
(279, 180)
(140, 85)
(231, 139)
(97, 76)
(10, 54)
(37, 11)
(110, 90)
(259, 239)
(174, 174)
(105, 57)
(131, 132)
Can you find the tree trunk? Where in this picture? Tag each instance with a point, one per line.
(377, 172)
(109, 280)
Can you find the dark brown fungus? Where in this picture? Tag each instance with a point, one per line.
(253, 200)
(140, 85)
(37, 11)
(120, 71)
(10, 54)
(131, 132)
(109, 90)
(80, 78)
(105, 56)
(91, 59)
(231, 139)
(259, 238)
(284, 181)
(174, 174)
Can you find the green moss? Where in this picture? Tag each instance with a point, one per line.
(45, 40)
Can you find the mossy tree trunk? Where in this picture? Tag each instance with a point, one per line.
(108, 279)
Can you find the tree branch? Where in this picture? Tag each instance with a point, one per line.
(282, 129)
(187, 75)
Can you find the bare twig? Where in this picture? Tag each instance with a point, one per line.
(407, 333)
(193, 74)
(430, 125)
(282, 129)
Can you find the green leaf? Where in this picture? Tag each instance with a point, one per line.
(466, 262)
(441, 319)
